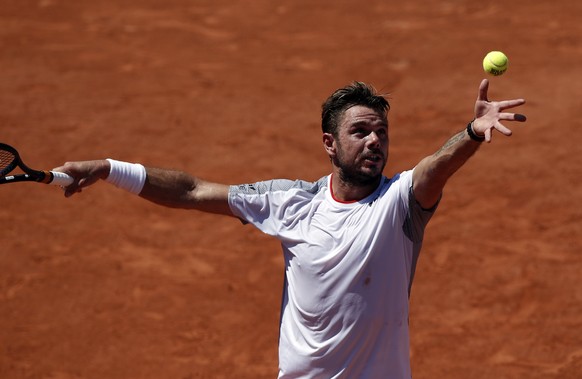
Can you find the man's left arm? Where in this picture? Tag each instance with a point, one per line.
(431, 174)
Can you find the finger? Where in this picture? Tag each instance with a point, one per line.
(71, 191)
(502, 129)
(511, 103)
(86, 181)
(483, 88)
(488, 135)
(512, 117)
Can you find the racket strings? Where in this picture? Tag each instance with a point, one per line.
(7, 162)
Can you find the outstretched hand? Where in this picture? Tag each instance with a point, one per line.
(489, 114)
(84, 173)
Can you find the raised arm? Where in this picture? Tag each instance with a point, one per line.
(174, 189)
(431, 174)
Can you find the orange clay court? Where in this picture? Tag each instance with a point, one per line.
(106, 285)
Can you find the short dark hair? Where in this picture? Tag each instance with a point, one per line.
(357, 93)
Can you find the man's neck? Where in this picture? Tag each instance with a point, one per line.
(348, 192)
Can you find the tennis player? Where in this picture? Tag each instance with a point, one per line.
(350, 240)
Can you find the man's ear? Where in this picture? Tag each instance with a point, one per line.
(329, 144)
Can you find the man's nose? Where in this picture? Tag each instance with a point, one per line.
(373, 139)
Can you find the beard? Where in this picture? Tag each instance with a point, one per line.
(354, 173)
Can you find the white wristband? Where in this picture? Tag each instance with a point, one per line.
(128, 176)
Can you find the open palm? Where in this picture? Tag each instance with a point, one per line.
(489, 114)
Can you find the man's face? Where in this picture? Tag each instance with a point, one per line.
(361, 146)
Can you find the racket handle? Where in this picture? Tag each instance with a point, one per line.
(60, 179)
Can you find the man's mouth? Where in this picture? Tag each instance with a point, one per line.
(373, 158)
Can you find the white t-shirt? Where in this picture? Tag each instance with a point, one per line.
(348, 272)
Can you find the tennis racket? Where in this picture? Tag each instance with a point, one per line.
(10, 160)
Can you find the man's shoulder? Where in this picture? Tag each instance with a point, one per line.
(278, 185)
(402, 177)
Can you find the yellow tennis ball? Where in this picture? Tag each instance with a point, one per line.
(495, 63)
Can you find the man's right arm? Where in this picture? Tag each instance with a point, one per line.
(170, 188)
(177, 189)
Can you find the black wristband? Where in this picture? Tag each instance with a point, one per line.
(472, 134)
